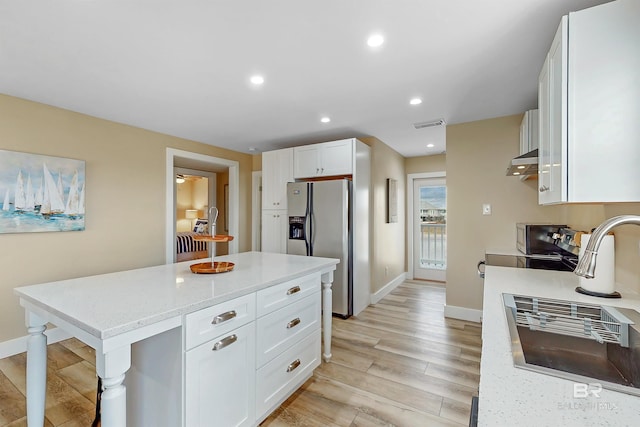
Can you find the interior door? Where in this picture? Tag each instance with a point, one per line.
(430, 229)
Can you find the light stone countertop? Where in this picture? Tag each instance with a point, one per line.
(107, 305)
(511, 396)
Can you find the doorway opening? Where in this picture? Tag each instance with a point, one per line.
(427, 233)
(195, 192)
(229, 205)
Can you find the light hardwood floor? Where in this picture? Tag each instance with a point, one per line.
(399, 363)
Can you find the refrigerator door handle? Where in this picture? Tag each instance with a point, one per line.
(307, 230)
(312, 236)
(310, 217)
(307, 220)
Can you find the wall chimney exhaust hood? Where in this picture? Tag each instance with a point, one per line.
(526, 164)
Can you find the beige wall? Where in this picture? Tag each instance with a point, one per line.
(125, 216)
(477, 156)
(191, 194)
(422, 164)
(387, 240)
(256, 162)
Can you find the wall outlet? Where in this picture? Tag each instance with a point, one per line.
(486, 209)
(386, 271)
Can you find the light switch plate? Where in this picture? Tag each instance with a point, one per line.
(486, 209)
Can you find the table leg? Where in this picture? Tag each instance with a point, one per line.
(36, 369)
(111, 368)
(327, 309)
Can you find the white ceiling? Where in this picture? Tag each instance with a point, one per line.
(182, 67)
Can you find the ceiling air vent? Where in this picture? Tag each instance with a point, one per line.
(433, 123)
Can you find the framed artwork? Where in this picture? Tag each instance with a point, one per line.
(41, 193)
(392, 200)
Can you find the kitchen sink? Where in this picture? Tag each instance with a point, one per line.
(580, 342)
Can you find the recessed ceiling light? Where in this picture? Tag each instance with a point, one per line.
(415, 101)
(521, 167)
(375, 40)
(252, 149)
(430, 145)
(257, 80)
(516, 173)
(325, 119)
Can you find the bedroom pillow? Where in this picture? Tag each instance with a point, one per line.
(201, 226)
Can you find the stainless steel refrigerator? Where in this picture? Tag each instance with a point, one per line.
(320, 225)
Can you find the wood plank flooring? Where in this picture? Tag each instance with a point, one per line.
(399, 363)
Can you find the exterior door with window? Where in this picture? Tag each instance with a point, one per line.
(430, 229)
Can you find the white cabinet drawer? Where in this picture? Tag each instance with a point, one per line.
(280, 329)
(206, 324)
(278, 378)
(278, 296)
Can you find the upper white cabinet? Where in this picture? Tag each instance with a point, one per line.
(277, 170)
(326, 159)
(589, 108)
(529, 132)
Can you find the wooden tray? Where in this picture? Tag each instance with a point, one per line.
(207, 268)
(210, 238)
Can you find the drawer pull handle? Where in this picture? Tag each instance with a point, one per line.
(293, 290)
(293, 365)
(225, 342)
(295, 322)
(224, 317)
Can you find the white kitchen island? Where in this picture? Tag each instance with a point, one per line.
(197, 349)
(511, 396)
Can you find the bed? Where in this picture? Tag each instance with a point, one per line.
(187, 248)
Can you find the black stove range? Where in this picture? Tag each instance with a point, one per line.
(557, 251)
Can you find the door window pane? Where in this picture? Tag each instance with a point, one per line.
(433, 227)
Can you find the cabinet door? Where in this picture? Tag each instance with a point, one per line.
(544, 132)
(274, 231)
(604, 103)
(220, 380)
(277, 170)
(336, 158)
(306, 161)
(553, 138)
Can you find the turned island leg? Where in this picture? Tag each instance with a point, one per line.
(111, 368)
(327, 309)
(36, 369)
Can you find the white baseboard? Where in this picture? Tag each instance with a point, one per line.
(463, 313)
(19, 345)
(386, 289)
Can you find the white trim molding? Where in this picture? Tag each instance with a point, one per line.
(234, 198)
(463, 313)
(19, 345)
(386, 289)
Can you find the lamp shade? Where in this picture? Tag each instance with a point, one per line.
(191, 213)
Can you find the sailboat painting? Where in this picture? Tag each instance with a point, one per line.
(41, 193)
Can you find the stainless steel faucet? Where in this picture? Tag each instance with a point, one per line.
(587, 265)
